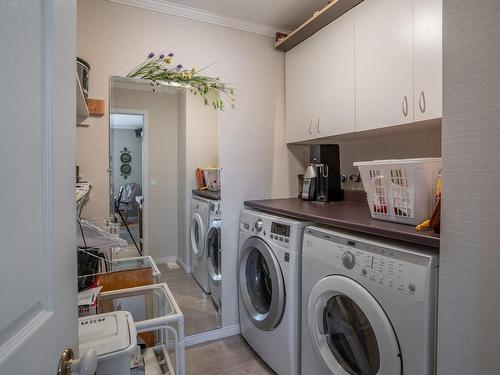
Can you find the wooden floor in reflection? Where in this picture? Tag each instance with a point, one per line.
(200, 313)
(229, 356)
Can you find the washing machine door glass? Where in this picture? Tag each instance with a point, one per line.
(197, 235)
(350, 331)
(213, 251)
(262, 289)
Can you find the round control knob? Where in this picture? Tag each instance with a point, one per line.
(258, 225)
(364, 271)
(348, 260)
(412, 288)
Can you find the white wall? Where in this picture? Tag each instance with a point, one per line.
(255, 160)
(469, 298)
(421, 141)
(162, 164)
(198, 142)
(126, 138)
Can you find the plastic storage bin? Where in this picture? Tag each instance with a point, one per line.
(113, 336)
(400, 190)
(212, 178)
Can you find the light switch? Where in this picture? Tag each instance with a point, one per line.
(152, 182)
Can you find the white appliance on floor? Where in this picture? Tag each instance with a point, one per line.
(113, 336)
(198, 237)
(269, 288)
(368, 306)
(214, 253)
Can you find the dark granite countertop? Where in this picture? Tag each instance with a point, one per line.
(353, 215)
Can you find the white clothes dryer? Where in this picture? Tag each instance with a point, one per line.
(198, 236)
(214, 253)
(269, 288)
(368, 305)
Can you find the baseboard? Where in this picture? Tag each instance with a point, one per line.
(163, 260)
(215, 334)
(183, 265)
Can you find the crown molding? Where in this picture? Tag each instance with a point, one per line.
(167, 7)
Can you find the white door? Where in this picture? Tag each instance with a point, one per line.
(299, 93)
(428, 58)
(349, 330)
(332, 66)
(38, 312)
(384, 63)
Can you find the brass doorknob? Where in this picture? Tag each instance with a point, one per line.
(87, 365)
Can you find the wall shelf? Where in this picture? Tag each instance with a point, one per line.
(82, 111)
(86, 108)
(325, 16)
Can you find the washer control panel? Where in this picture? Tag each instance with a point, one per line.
(408, 278)
(278, 232)
(398, 270)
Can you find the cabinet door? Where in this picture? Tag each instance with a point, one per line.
(332, 68)
(428, 59)
(299, 92)
(384, 63)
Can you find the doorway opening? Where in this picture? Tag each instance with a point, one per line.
(128, 173)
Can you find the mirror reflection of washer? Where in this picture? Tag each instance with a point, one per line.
(368, 305)
(269, 288)
(214, 253)
(198, 236)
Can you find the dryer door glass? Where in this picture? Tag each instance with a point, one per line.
(213, 248)
(262, 290)
(349, 330)
(259, 283)
(350, 336)
(197, 236)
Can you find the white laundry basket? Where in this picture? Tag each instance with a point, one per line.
(400, 190)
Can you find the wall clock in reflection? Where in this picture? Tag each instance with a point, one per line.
(126, 169)
(125, 158)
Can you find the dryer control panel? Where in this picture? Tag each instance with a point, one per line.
(398, 269)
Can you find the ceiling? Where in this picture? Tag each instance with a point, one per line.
(279, 14)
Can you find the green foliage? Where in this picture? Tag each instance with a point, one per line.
(160, 69)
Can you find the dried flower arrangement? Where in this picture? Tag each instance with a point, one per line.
(159, 68)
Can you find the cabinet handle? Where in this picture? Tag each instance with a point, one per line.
(318, 126)
(421, 102)
(405, 106)
(310, 127)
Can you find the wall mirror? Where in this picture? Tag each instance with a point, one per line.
(172, 149)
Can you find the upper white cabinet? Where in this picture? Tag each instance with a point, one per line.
(428, 59)
(378, 65)
(299, 91)
(320, 99)
(384, 63)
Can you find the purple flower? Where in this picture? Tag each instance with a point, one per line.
(162, 56)
(170, 54)
(179, 66)
(151, 55)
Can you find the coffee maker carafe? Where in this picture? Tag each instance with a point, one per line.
(322, 183)
(308, 192)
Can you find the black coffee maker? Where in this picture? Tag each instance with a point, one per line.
(325, 159)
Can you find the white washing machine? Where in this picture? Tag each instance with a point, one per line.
(214, 253)
(368, 306)
(198, 237)
(269, 288)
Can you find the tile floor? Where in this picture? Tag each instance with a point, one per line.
(200, 313)
(229, 356)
